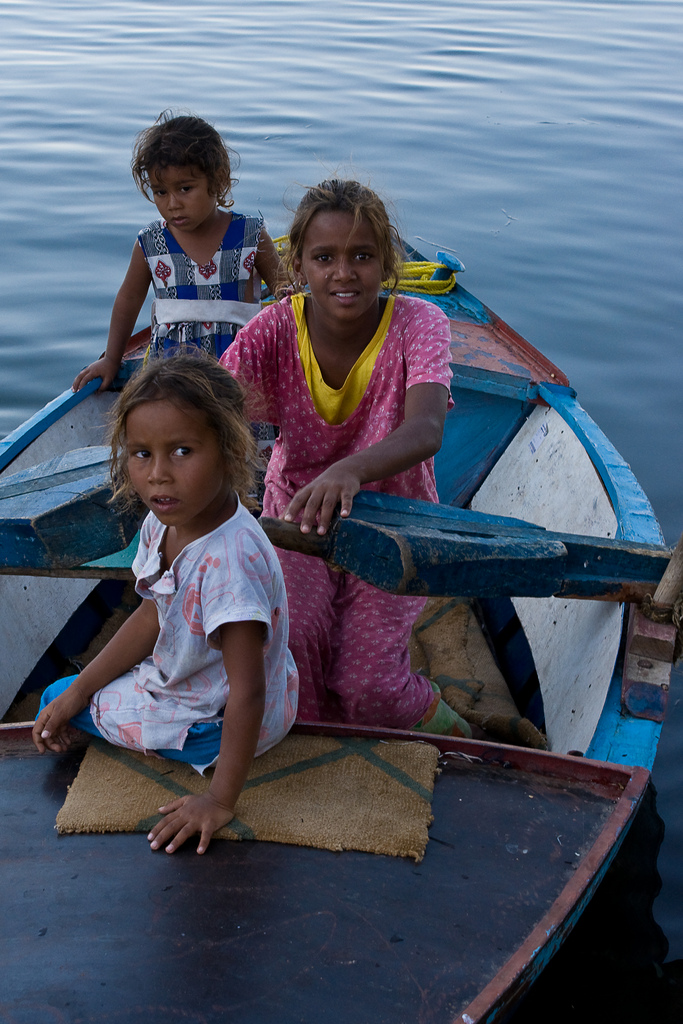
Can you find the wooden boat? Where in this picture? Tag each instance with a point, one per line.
(543, 522)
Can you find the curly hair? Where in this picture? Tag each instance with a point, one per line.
(183, 140)
(195, 382)
(347, 196)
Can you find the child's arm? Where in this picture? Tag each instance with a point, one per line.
(130, 645)
(268, 262)
(242, 646)
(127, 305)
(418, 438)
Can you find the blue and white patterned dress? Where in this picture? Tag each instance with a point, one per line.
(224, 278)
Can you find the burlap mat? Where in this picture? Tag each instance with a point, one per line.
(448, 646)
(333, 793)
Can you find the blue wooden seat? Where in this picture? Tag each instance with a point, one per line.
(57, 515)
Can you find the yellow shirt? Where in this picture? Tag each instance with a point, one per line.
(334, 405)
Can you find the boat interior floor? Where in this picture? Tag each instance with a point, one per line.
(97, 927)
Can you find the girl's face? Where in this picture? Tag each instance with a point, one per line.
(182, 197)
(341, 262)
(177, 468)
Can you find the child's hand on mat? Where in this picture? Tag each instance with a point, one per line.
(185, 817)
(51, 730)
(338, 485)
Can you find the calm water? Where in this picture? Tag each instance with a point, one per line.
(541, 141)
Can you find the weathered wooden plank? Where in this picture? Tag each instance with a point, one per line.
(63, 469)
(86, 571)
(416, 548)
(57, 514)
(399, 545)
(62, 526)
(116, 566)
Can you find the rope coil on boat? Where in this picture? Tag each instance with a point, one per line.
(665, 615)
(666, 606)
(416, 275)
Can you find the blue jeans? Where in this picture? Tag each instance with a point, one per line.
(201, 746)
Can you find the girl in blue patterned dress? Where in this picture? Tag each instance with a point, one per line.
(203, 259)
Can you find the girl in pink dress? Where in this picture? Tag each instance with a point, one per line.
(201, 671)
(358, 383)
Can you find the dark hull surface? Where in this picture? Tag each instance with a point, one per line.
(96, 927)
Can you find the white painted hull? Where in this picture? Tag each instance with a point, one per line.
(35, 610)
(546, 477)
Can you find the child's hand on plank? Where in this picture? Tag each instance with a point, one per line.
(338, 485)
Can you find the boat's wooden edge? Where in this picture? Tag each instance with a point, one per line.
(19, 439)
(515, 978)
(15, 740)
(503, 340)
(606, 779)
(79, 572)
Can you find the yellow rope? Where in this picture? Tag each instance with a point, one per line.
(417, 277)
(414, 277)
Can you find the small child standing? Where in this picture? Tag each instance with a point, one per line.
(204, 260)
(201, 671)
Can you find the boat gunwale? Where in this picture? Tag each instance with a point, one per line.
(538, 366)
(605, 778)
(532, 956)
(26, 433)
